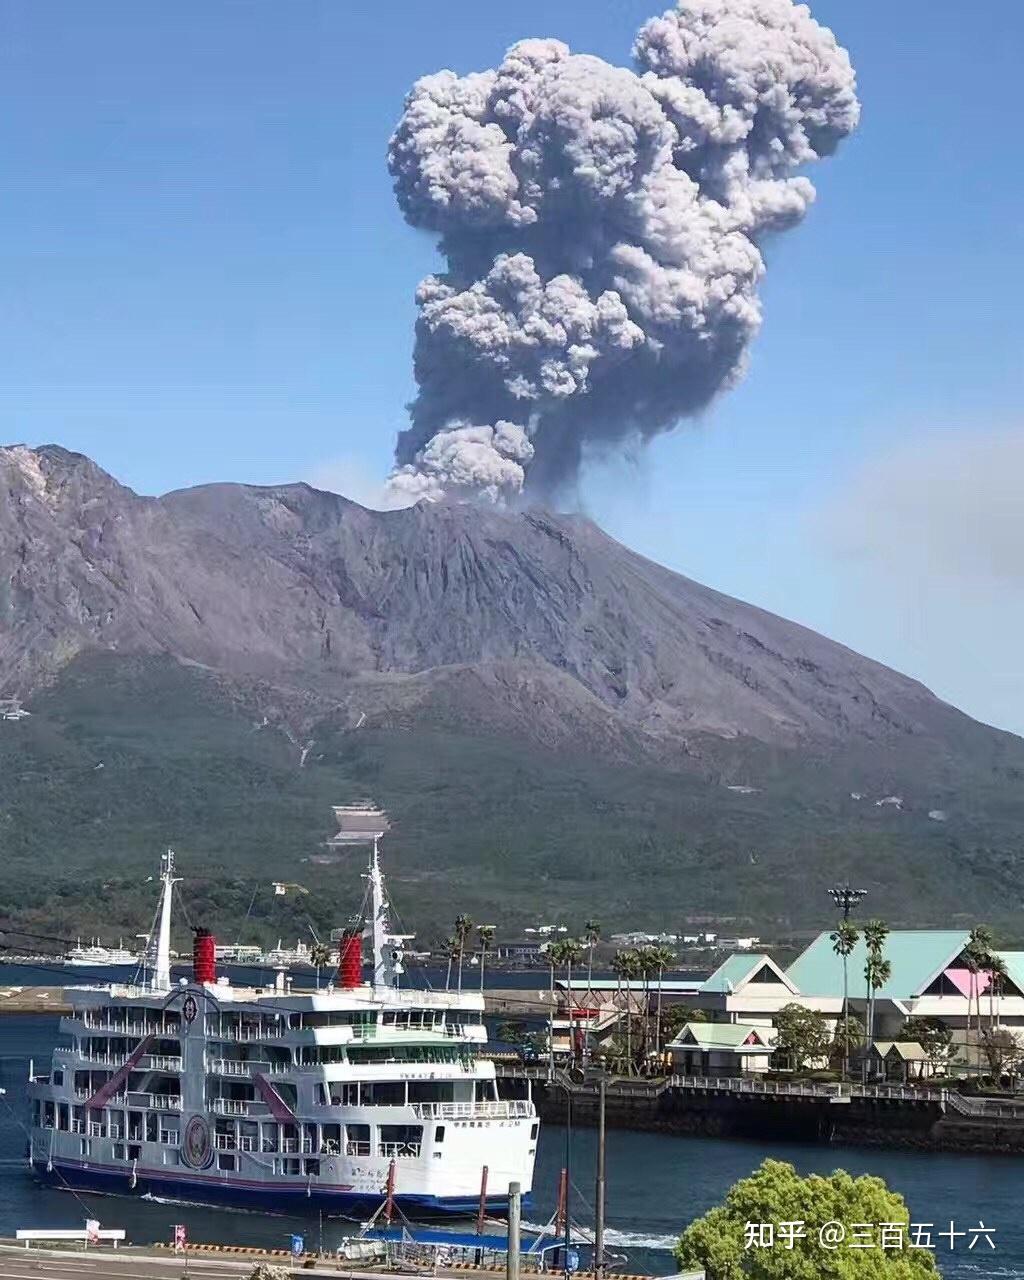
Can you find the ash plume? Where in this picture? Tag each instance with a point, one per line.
(601, 228)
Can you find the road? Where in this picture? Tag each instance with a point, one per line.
(34, 1264)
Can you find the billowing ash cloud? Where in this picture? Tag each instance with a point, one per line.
(601, 229)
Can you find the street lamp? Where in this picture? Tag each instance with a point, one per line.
(846, 898)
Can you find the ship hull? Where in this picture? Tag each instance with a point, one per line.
(268, 1197)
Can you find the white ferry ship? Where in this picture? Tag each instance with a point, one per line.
(282, 1100)
(98, 956)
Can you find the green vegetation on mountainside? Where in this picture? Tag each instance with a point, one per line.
(125, 756)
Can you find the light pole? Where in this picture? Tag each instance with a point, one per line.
(846, 898)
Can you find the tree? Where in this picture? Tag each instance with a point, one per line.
(463, 928)
(319, 955)
(995, 967)
(843, 942)
(801, 1035)
(877, 972)
(485, 932)
(653, 961)
(725, 1240)
(676, 1017)
(625, 966)
(979, 946)
(849, 1033)
(934, 1037)
(1003, 1052)
(449, 949)
(566, 951)
(592, 936)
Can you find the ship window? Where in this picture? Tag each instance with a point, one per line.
(357, 1139)
(226, 1161)
(58, 1077)
(118, 1150)
(397, 1140)
(313, 1168)
(84, 1149)
(533, 1131)
(439, 1133)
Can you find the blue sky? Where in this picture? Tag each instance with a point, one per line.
(204, 276)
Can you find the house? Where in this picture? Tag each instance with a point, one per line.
(898, 1061)
(931, 977)
(721, 1049)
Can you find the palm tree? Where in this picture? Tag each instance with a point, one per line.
(624, 965)
(449, 948)
(979, 947)
(843, 942)
(592, 935)
(319, 955)
(664, 958)
(651, 961)
(485, 932)
(463, 928)
(877, 973)
(995, 967)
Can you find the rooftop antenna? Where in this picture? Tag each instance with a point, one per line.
(366, 823)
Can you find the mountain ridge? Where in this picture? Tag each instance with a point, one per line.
(543, 710)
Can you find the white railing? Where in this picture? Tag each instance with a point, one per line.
(510, 1109)
(159, 1062)
(164, 1102)
(224, 1142)
(399, 1150)
(293, 1146)
(236, 1066)
(231, 1107)
(357, 1148)
(800, 1088)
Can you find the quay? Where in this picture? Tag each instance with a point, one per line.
(33, 1000)
(881, 1115)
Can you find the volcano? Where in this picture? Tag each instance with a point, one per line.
(553, 720)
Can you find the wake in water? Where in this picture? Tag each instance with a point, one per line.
(621, 1239)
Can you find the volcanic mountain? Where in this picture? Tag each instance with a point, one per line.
(554, 721)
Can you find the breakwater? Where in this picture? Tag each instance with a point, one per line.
(897, 1116)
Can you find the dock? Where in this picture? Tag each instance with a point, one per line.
(33, 1000)
(883, 1115)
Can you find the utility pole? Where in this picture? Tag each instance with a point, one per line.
(599, 1189)
(514, 1212)
(568, 1180)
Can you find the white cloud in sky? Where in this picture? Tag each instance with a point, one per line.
(929, 541)
(950, 506)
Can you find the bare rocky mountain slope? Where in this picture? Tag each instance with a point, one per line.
(517, 631)
(302, 586)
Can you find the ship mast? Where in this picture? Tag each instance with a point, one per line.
(161, 979)
(365, 823)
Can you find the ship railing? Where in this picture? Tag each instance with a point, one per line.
(225, 1142)
(399, 1150)
(159, 1062)
(230, 1107)
(236, 1066)
(168, 1137)
(357, 1148)
(278, 1068)
(164, 1102)
(296, 1146)
(508, 1109)
(77, 1126)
